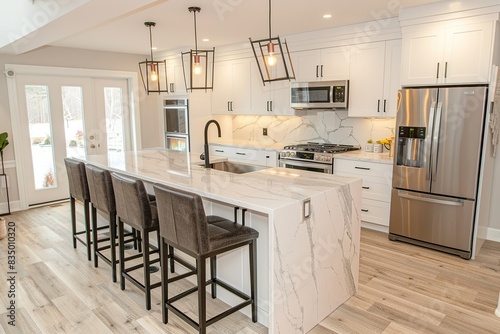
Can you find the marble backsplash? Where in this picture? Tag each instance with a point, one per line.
(312, 126)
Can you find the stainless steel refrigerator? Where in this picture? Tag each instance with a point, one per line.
(438, 140)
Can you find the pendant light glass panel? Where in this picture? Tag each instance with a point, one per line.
(198, 65)
(153, 72)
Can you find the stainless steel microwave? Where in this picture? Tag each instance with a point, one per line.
(319, 94)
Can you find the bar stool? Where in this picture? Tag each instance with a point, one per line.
(102, 198)
(79, 190)
(134, 208)
(184, 226)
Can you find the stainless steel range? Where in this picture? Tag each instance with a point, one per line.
(314, 157)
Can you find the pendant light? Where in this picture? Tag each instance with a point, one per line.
(153, 72)
(200, 63)
(273, 56)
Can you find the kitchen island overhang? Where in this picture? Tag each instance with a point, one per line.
(309, 226)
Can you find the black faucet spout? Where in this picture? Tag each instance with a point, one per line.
(207, 159)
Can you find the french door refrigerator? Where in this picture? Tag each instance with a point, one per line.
(436, 167)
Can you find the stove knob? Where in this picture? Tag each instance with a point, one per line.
(292, 154)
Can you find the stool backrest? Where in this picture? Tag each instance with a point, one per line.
(77, 179)
(101, 190)
(182, 219)
(132, 202)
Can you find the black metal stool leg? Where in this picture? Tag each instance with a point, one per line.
(86, 204)
(202, 300)
(73, 219)
(121, 246)
(112, 243)
(253, 278)
(213, 275)
(95, 243)
(147, 274)
(171, 256)
(164, 279)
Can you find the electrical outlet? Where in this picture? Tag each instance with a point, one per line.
(264, 131)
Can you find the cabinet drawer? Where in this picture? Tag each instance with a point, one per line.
(363, 168)
(376, 212)
(375, 188)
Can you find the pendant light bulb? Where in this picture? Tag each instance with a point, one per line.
(271, 58)
(197, 69)
(153, 75)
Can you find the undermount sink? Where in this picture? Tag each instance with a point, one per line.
(236, 167)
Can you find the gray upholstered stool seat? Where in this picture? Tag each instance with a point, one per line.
(184, 225)
(134, 208)
(79, 190)
(102, 199)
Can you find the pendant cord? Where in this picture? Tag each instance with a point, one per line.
(195, 34)
(151, 42)
(270, 19)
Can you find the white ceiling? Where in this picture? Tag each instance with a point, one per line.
(118, 25)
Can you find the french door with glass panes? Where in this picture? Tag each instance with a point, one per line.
(67, 117)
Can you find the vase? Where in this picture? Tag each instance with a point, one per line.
(377, 148)
(369, 147)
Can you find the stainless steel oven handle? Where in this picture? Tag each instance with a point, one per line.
(404, 194)
(284, 162)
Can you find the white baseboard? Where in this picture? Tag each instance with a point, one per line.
(376, 227)
(493, 234)
(14, 206)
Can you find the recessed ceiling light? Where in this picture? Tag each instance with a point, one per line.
(327, 16)
(205, 40)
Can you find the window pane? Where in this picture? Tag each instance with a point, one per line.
(72, 101)
(114, 124)
(40, 128)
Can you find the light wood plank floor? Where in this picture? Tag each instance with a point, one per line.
(403, 289)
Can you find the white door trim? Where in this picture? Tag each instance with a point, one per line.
(12, 69)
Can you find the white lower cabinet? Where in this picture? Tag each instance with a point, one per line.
(376, 192)
(246, 155)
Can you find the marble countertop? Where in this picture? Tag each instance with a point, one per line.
(263, 191)
(360, 155)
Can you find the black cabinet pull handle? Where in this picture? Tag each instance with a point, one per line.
(270, 105)
(364, 210)
(437, 72)
(267, 105)
(321, 70)
(228, 104)
(365, 187)
(220, 151)
(317, 69)
(363, 168)
(446, 70)
(378, 106)
(385, 102)
(239, 153)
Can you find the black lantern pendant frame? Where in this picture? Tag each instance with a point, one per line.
(205, 57)
(147, 66)
(269, 45)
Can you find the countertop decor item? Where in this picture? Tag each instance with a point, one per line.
(369, 145)
(200, 63)
(153, 72)
(274, 56)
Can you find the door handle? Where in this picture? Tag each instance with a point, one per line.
(446, 70)
(428, 141)
(457, 202)
(240, 153)
(378, 105)
(385, 101)
(228, 105)
(172, 90)
(363, 168)
(92, 146)
(317, 70)
(364, 210)
(270, 105)
(220, 151)
(321, 70)
(437, 71)
(435, 141)
(366, 188)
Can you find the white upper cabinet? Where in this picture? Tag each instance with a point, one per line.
(175, 76)
(324, 64)
(375, 79)
(447, 54)
(231, 94)
(271, 99)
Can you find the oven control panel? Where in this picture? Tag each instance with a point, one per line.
(307, 156)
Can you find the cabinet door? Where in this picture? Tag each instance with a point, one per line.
(335, 63)
(422, 57)
(175, 76)
(261, 95)
(392, 77)
(223, 88)
(467, 53)
(241, 102)
(306, 65)
(367, 78)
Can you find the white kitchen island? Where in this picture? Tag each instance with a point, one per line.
(309, 226)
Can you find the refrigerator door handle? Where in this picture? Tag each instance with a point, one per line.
(428, 142)
(404, 194)
(435, 140)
